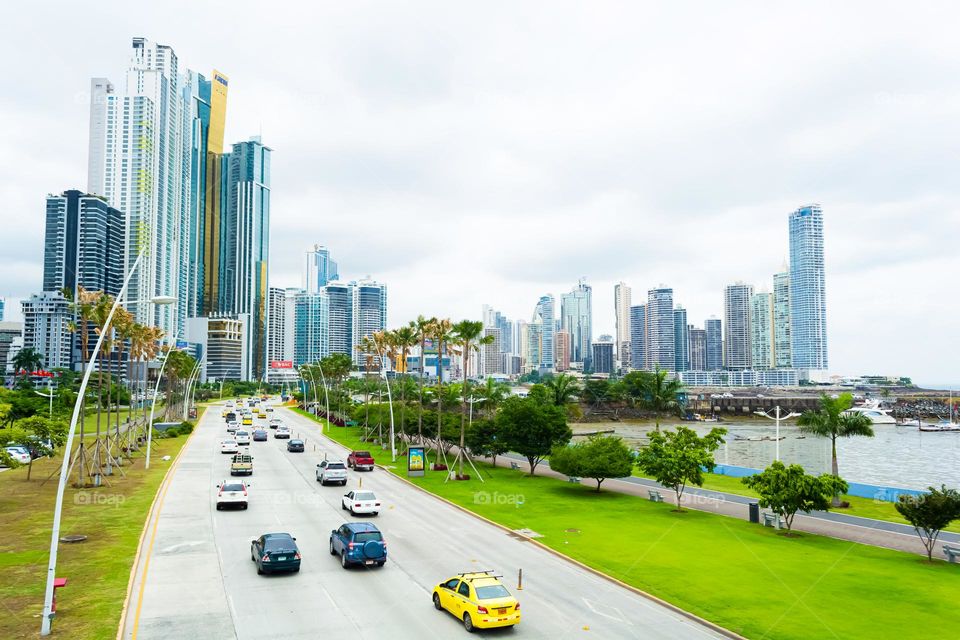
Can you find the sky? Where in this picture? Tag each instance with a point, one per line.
(491, 153)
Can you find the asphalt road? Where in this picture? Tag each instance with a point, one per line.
(201, 583)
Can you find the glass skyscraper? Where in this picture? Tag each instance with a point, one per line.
(311, 327)
(320, 269)
(761, 330)
(638, 337)
(544, 316)
(369, 313)
(576, 318)
(737, 353)
(341, 318)
(782, 353)
(808, 305)
(714, 329)
(681, 340)
(661, 348)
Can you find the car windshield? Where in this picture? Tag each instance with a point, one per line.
(362, 454)
(241, 433)
(364, 495)
(367, 536)
(233, 487)
(336, 465)
(492, 591)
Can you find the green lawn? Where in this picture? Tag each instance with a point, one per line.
(744, 577)
(97, 570)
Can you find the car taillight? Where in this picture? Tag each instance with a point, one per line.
(244, 492)
(219, 493)
(265, 558)
(481, 609)
(517, 607)
(297, 555)
(357, 505)
(350, 546)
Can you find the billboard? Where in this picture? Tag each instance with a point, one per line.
(182, 344)
(416, 461)
(281, 364)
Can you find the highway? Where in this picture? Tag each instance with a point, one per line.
(200, 581)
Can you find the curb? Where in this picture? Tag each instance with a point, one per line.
(143, 533)
(672, 607)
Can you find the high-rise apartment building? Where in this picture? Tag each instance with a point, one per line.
(808, 304)
(277, 332)
(563, 351)
(660, 348)
(340, 301)
(761, 330)
(698, 349)
(576, 311)
(737, 352)
(100, 90)
(490, 355)
(681, 339)
(544, 316)
(638, 337)
(83, 244)
(3, 308)
(781, 320)
(320, 269)
(714, 329)
(311, 326)
(46, 328)
(602, 359)
(622, 296)
(369, 312)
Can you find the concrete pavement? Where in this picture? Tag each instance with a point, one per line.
(197, 580)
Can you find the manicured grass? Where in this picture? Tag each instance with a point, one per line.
(744, 577)
(860, 507)
(97, 570)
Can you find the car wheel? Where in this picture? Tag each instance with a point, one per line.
(332, 552)
(381, 563)
(436, 602)
(297, 570)
(219, 507)
(376, 513)
(342, 506)
(244, 506)
(343, 560)
(468, 623)
(343, 484)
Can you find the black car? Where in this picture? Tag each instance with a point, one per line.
(274, 552)
(295, 446)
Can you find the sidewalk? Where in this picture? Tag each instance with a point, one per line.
(879, 533)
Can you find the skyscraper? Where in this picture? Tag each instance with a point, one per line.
(311, 327)
(698, 349)
(563, 351)
(544, 317)
(46, 328)
(340, 297)
(320, 269)
(714, 329)
(3, 310)
(576, 310)
(761, 330)
(100, 89)
(602, 358)
(277, 330)
(638, 337)
(490, 355)
(737, 353)
(661, 351)
(369, 312)
(622, 296)
(781, 320)
(808, 305)
(681, 339)
(83, 244)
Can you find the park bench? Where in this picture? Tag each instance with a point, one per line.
(573, 479)
(952, 553)
(655, 496)
(771, 520)
(514, 466)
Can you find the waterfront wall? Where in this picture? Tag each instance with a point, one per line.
(859, 489)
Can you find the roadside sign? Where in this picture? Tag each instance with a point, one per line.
(415, 461)
(281, 364)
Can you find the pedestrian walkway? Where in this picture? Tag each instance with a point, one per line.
(880, 533)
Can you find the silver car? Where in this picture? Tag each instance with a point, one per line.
(332, 471)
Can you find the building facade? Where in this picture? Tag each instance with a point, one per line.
(320, 269)
(782, 352)
(622, 300)
(737, 352)
(638, 337)
(681, 339)
(761, 331)
(46, 328)
(543, 338)
(563, 351)
(660, 347)
(808, 304)
(603, 358)
(369, 312)
(698, 349)
(311, 326)
(340, 299)
(714, 330)
(576, 318)
(222, 342)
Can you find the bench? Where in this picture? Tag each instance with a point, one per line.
(952, 553)
(771, 520)
(514, 466)
(573, 479)
(655, 496)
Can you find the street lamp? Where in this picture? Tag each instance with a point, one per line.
(326, 396)
(49, 396)
(778, 417)
(47, 618)
(383, 370)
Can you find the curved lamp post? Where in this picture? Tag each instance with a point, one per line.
(383, 371)
(326, 396)
(778, 417)
(153, 403)
(47, 618)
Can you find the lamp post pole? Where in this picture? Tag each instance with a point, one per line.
(47, 618)
(778, 417)
(326, 396)
(153, 403)
(383, 371)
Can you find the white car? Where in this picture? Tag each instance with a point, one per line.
(229, 446)
(275, 422)
(243, 437)
(282, 432)
(230, 494)
(19, 454)
(361, 502)
(232, 426)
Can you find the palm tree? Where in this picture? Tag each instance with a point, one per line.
(403, 339)
(468, 336)
(661, 393)
(493, 394)
(441, 332)
(563, 388)
(27, 360)
(831, 421)
(421, 328)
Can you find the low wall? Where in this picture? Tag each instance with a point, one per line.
(859, 489)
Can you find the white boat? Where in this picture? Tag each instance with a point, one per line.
(942, 426)
(874, 412)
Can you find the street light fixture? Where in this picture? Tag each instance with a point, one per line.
(778, 417)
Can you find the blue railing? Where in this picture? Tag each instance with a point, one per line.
(859, 489)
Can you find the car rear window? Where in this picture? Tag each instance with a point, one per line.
(233, 487)
(281, 544)
(367, 536)
(296, 442)
(492, 591)
(336, 465)
(363, 495)
(363, 454)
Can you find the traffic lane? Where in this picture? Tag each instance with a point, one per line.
(322, 597)
(183, 594)
(433, 540)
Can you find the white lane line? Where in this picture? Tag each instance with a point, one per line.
(181, 545)
(619, 617)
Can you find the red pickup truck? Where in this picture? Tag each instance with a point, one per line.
(360, 460)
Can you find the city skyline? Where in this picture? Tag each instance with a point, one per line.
(790, 144)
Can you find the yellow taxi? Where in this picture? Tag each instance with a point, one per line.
(262, 414)
(247, 420)
(479, 599)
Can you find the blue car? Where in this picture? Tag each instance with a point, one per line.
(358, 543)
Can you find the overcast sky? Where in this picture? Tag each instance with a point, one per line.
(494, 153)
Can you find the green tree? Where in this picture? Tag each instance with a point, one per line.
(532, 428)
(27, 360)
(596, 392)
(485, 439)
(678, 458)
(831, 421)
(421, 327)
(563, 387)
(467, 336)
(493, 393)
(441, 332)
(930, 513)
(43, 434)
(786, 490)
(661, 394)
(599, 457)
